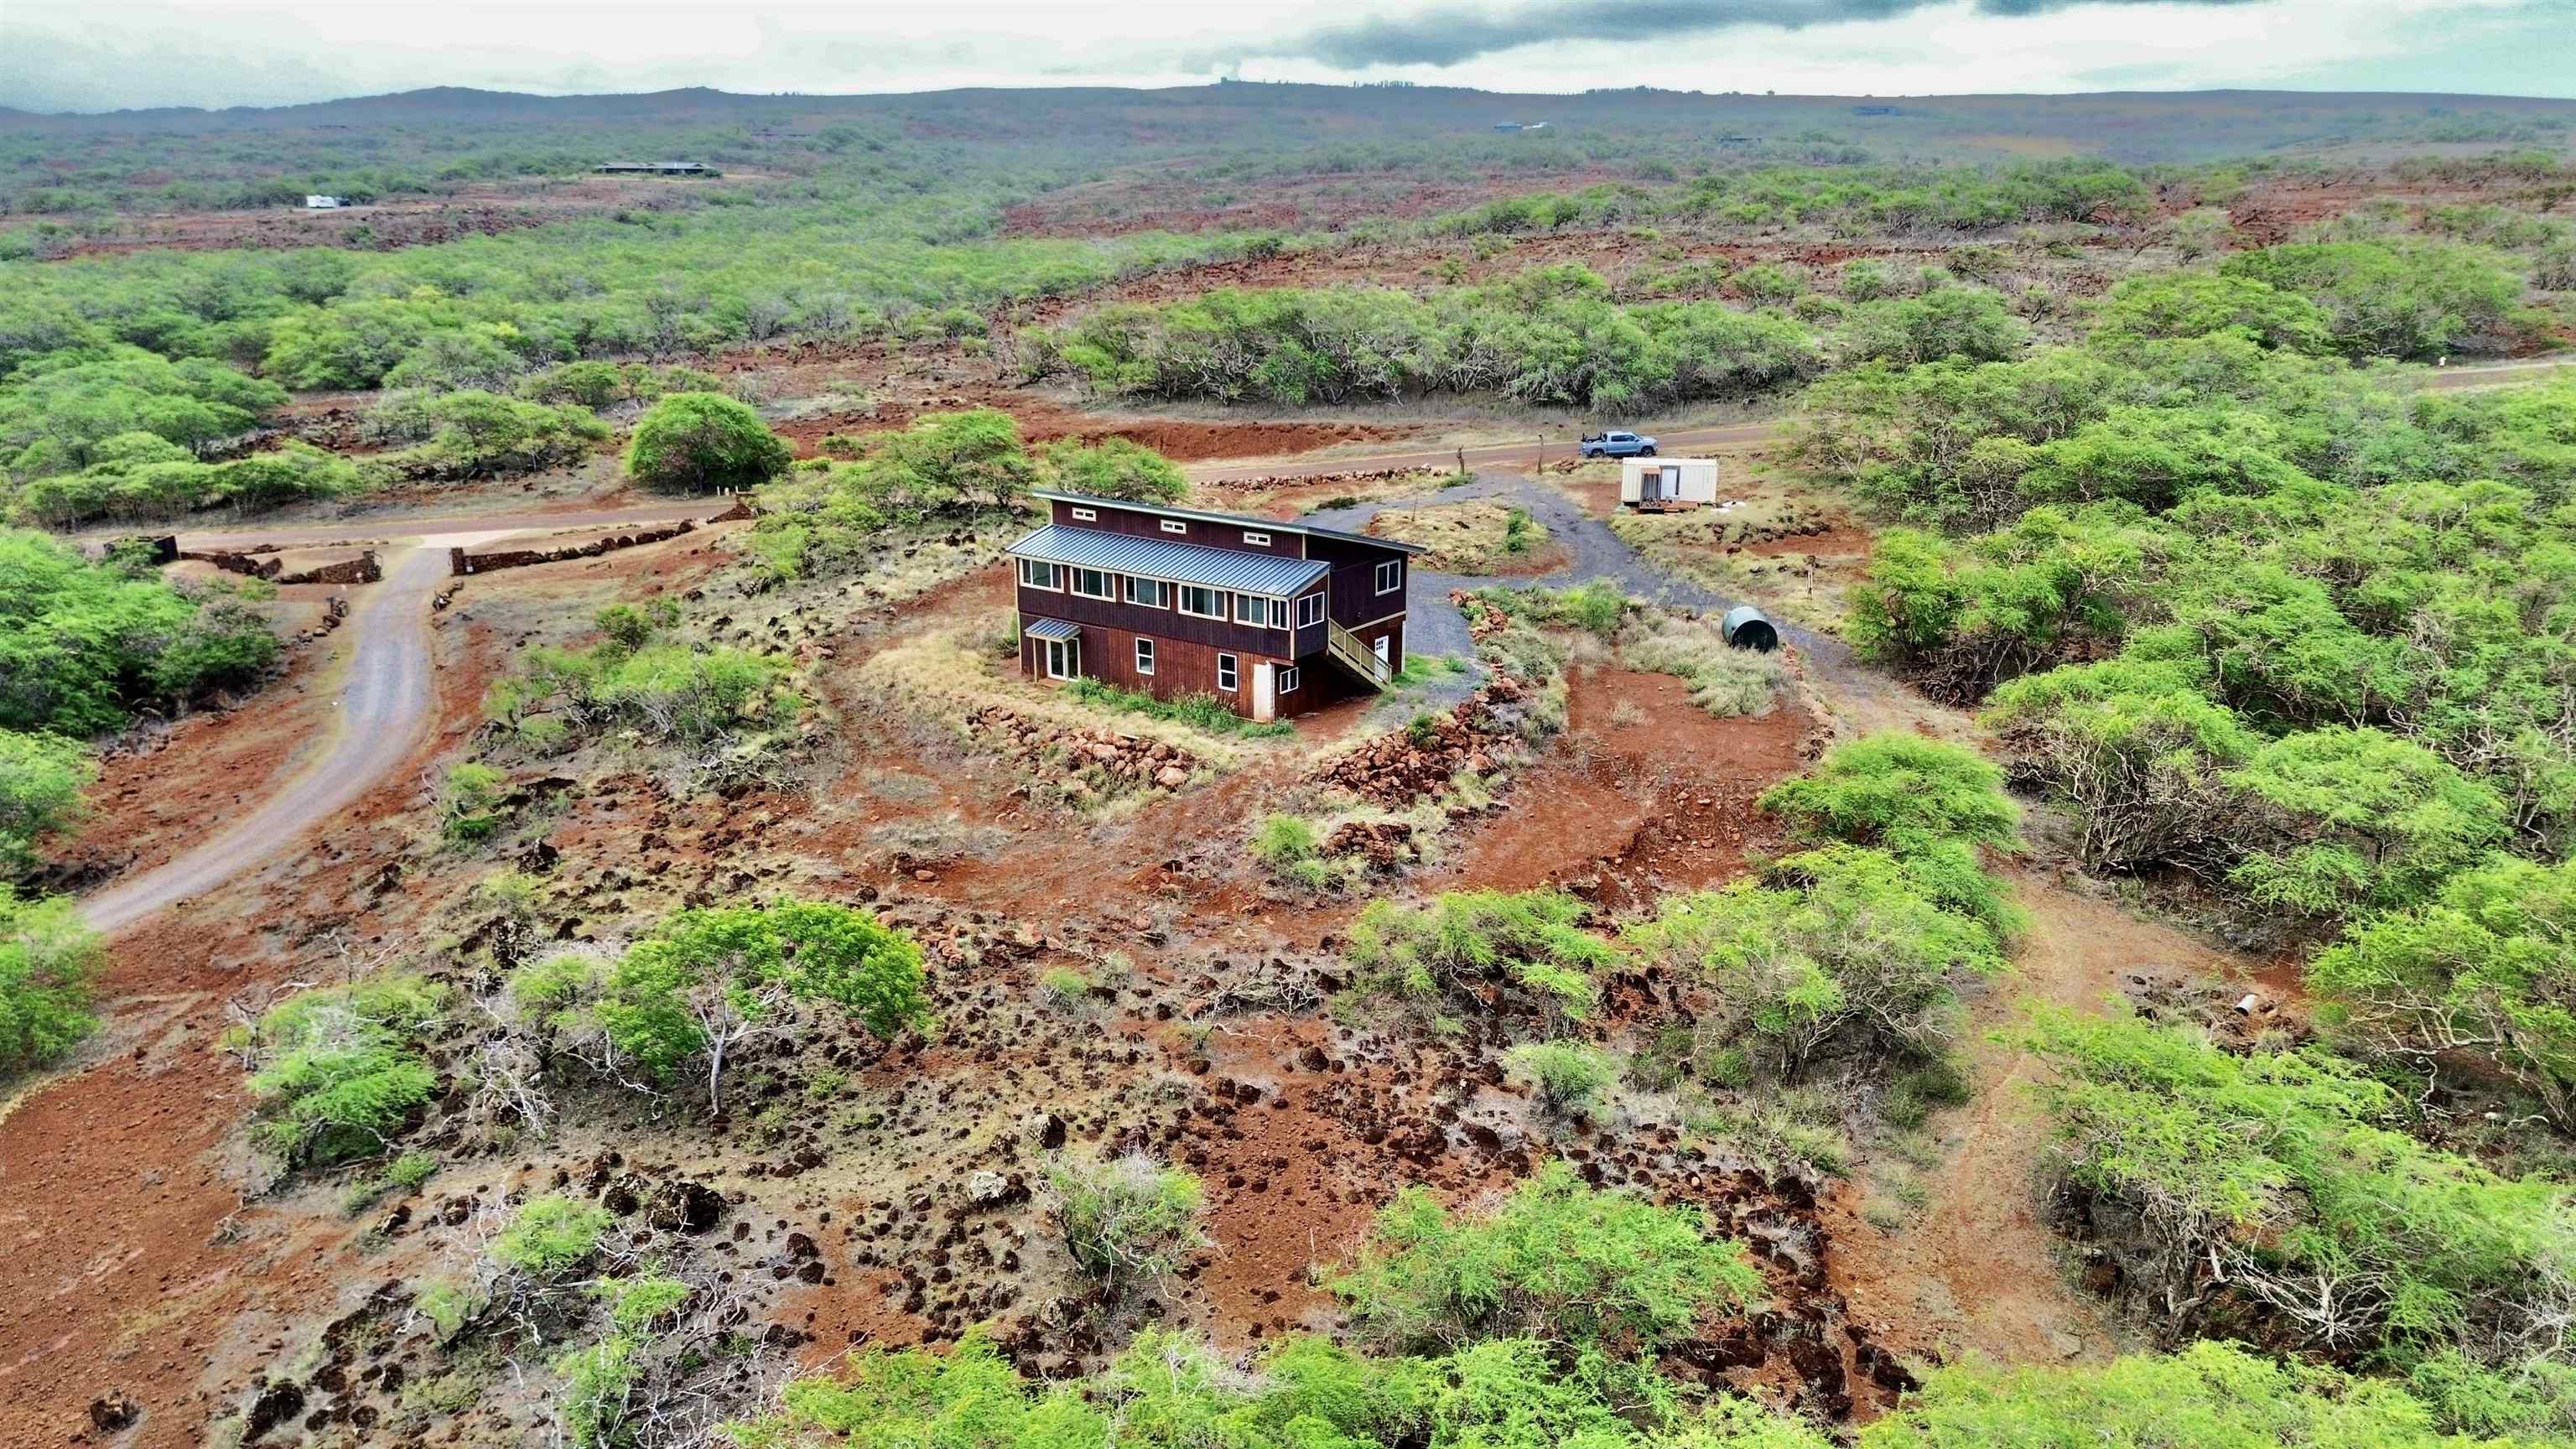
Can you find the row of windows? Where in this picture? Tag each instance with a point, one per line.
(1197, 600)
(1228, 674)
(1251, 537)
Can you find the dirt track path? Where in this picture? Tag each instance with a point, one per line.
(1490, 456)
(383, 706)
(1678, 441)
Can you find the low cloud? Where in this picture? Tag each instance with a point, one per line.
(1454, 35)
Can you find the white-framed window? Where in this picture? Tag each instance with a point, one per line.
(1086, 515)
(1144, 656)
(1063, 657)
(1278, 613)
(1094, 583)
(1257, 540)
(1288, 680)
(1174, 525)
(1039, 574)
(1150, 593)
(1390, 576)
(1310, 610)
(1225, 673)
(1249, 609)
(1202, 601)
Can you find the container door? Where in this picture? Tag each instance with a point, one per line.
(1265, 693)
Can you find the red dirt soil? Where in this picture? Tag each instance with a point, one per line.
(482, 209)
(155, 800)
(1626, 810)
(114, 1179)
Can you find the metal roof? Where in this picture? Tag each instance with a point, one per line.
(1185, 563)
(1053, 629)
(1238, 520)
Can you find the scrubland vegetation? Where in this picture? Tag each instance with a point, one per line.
(2265, 631)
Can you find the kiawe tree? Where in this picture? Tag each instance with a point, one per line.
(704, 441)
(1112, 468)
(2488, 965)
(712, 978)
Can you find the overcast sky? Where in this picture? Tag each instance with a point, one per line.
(84, 55)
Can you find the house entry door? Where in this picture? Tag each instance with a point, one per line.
(1265, 693)
(1063, 658)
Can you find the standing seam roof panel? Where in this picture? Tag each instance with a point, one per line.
(1188, 563)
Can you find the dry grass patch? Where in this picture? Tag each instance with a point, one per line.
(1695, 546)
(1726, 681)
(951, 677)
(1478, 536)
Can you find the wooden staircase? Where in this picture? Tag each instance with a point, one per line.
(1361, 660)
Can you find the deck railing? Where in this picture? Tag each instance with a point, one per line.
(1360, 659)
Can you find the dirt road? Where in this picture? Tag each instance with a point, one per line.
(1491, 456)
(1679, 442)
(385, 695)
(383, 705)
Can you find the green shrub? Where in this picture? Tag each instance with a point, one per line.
(468, 800)
(1127, 1219)
(1198, 711)
(1282, 841)
(1064, 985)
(2138, 751)
(2209, 1396)
(701, 441)
(598, 1391)
(1551, 335)
(476, 434)
(674, 692)
(709, 977)
(551, 1235)
(1555, 1260)
(47, 961)
(41, 779)
(404, 1174)
(1841, 948)
(1969, 322)
(2484, 966)
(83, 644)
(2359, 819)
(1900, 792)
(2413, 299)
(1568, 1074)
(407, 1172)
(1111, 467)
(1529, 948)
(342, 1068)
(2269, 1186)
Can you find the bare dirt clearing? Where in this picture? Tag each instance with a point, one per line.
(481, 209)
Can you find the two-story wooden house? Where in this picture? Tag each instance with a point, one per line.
(1273, 618)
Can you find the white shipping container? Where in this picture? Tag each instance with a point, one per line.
(1668, 482)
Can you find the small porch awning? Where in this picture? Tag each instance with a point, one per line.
(1052, 629)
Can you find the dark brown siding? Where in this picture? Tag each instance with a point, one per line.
(1161, 623)
(1144, 523)
(1356, 600)
(1180, 668)
(1393, 629)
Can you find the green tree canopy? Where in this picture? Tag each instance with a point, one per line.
(698, 441)
(711, 977)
